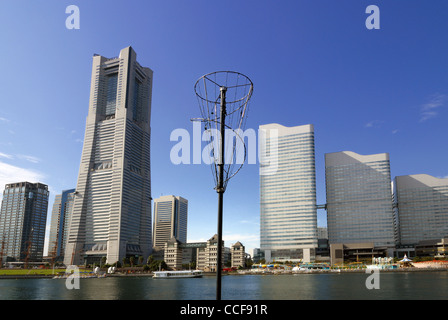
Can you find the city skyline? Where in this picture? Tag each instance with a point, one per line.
(367, 91)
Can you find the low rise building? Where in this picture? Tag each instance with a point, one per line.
(207, 257)
(238, 255)
(437, 248)
(173, 254)
(341, 253)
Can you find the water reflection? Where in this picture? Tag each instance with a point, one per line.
(430, 285)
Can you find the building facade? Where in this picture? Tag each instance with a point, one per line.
(170, 219)
(207, 257)
(288, 214)
(60, 218)
(422, 203)
(359, 199)
(238, 255)
(112, 206)
(173, 254)
(23, 218)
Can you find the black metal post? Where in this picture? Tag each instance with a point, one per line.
(220, 190)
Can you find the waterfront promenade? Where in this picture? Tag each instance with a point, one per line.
(136, 272)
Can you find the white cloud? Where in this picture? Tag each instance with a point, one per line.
(4, 119)
(249, 241)
(249, 222)
(28, 158)
(374, 124)
(197, 240)
(11, 174)
(7, 156)
(430, 109)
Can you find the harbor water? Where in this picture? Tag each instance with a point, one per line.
(314, 286)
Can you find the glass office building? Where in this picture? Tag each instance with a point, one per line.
(112, 205)
(359, 199)
(23, 218)
(422, 203)
(60, 218)
(288, 215)
(170, 220)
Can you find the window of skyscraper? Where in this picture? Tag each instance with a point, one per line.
(111, 99)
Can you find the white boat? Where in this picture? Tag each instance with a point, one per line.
(177, 274)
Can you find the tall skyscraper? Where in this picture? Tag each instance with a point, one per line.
(112, 206)
(60, 218)
(288, 216)
(422, 208)
(359, 199)
(23, 218)
(170, 219)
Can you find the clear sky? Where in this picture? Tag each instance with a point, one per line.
(311, 62)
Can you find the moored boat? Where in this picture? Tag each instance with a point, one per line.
(177, 274)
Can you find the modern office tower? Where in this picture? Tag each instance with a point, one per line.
(112, 207)
(422, 208)
(323, 249)
(23, 218)
(359, 199)
(60, 218)
(322, 233)
(170, 219)
(288, 215)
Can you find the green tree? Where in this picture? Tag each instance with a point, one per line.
(249, 263)
(155, 265)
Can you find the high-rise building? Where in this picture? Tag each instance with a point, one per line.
(60, 218)
(422, 202)
(23, 218)
(112, 207)
(288, 215)
(359, 199)
(170, 219)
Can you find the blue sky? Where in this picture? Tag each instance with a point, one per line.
(367, 91)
